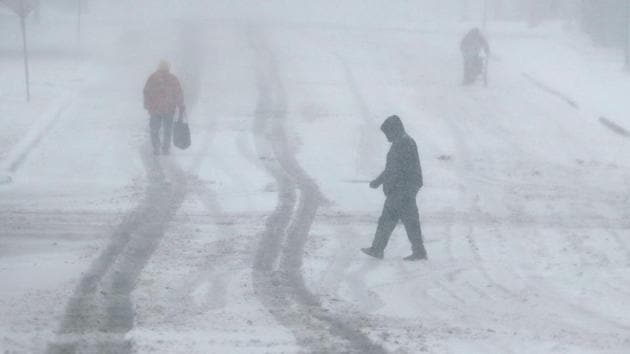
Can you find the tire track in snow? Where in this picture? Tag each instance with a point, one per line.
(367, 155)
(277, 274)
(546, 294)
(616, 128)
(206, 287)
(474, 209)
(215, 270)
(612, 126)
(100, 312)
(554, 302)
(622, 245)
(509, 295)
(365, 159)
(541, 295)
(369, 301)
(215, 295)
(560, 301)
(493, 290)
(571, 102)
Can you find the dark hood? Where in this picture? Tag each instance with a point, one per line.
(393, 128)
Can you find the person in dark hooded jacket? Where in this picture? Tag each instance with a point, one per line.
(401, 181)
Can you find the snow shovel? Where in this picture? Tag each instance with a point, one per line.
(485, 71)
(356, 181)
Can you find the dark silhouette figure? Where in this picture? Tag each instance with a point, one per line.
(401, 181)
(471, 47)
(162, 94)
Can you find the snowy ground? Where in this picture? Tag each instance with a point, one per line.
(248, 241)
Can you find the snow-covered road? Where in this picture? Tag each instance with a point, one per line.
(248, 241)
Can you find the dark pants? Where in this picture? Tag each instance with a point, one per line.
(399, 208)
(164, 122)
(473, 66)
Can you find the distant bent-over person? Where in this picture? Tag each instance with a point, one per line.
(162, 95)
(401, 181)
(471, 47)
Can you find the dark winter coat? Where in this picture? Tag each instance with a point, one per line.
(162, 94)
(473, 43)
(403, 173)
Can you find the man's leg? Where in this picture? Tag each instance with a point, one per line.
(411, 219)
(477, 67)
(386, 224)
(168, 134)
(468, 70)
(465, 71)
(154, 126)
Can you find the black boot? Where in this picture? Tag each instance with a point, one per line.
(417, 255)
(372, 252)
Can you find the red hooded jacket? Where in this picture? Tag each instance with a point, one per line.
(163, 93)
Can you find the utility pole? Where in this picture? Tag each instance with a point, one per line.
(22, 8)
(79, 10)
(484, 20)
(24, 47)
(627, 35)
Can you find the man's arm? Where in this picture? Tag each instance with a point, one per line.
(378, 181)
(392, 167)
(420, 171)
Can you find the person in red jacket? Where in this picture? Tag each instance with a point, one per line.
(162, 95)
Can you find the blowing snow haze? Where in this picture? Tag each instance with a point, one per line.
(212, 177)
